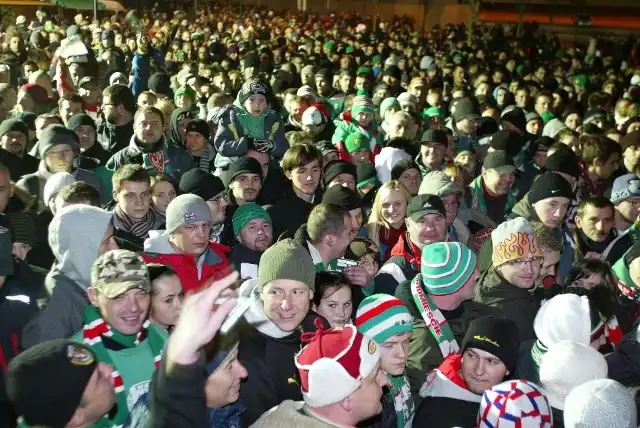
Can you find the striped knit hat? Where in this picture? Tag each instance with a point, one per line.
(446, 267)
(516, 403)
(381, 316)
(247, 212)
(361, 103)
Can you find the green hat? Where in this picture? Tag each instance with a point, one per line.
(364, 70)
(356, 141)
(432, 112)
(376, 59)
(381, 316)
(286, 260)
(118, 271)
(361, 103)
(519, 68)
(546, 116)
(349, 49)
(580, 80)
(247, 212)
(329, 45)
(386, 104)
(446, 267)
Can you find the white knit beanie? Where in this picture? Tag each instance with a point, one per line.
(567, 365)
(55, 183)
(564, 317)
(600, 403)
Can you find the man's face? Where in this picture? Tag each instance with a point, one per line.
(398, 128)
(366, 399)
(245, 187)
(218, 207)
(411, 179)
(394, 353)
(534, 127)
(346, 180)
(125, 313)
(307, 77)
(87, 136)
(629, 209)
(428, 229)
(286, 303)
(551, 211)
(14, 44)
(521, 273)
(89, 94)
(306, 178)
(606, 169)
(256, 235)
(323, 86)
(632, 155)
(521, 98)
(451, 204)
(222, 387)
(111, 112)
(346, 83)
(148, 128)
(361, 83)
(99, 396)
(134, 198)
(432, 154)
(68, 109)
(355, 216)
(192, 238)
(481, 370)
(6, 190)
(418, 90)
(550, 260)
(76, 72)
(14, 142)
(59, 158)
(596, 223)
(543, 103)
(498, 183)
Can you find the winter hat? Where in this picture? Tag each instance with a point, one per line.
(507, 140)
(360, 247)
(67, 365)
(254, 86)
(485, 128)
(286, 259)
(186, 209)
(366, 174)
(6, 255)
(632, 139)
(602, 403)
(361, 104)
(28, 118)
(199, 126)
(422, 204)
(9, 125)
(342, 197)
(500, 161)
(401, 166)
(565, 161)
(446, 267)
(247, 212)
(37, 93)
(55, 183)
(515, 403)
(381, 316)
(532, 115)
(312, 117)
(388, 103)
(625, 187)
(465, 109)
(437, 136)
(514, 240)
(437, 183)
(220, 350)
(567, 365)
(80, 119)
(117, 76)
(564, 317)
(335, 168)
(432, 112)
(356, 141)
(334, 364)
(542, 144)
(307, 91)
(392, 71)
(549, 185)
(23, 226)
(160, 83)
(553, 128)
(515, 116)
(201, 183)
(406, 99)
(55, 135)
(495, 335)
(244, 165)
(594, 114)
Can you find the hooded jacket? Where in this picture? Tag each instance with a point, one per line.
(212, 263)
(113, 137)
(447, 401)
(236, 129)
(177, 115)
(69, 279)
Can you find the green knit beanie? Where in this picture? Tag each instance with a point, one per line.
(381, 316)
(446, 267)
(247, 212)
(361, 103)
(432, 112)
(386, 104)
(286, 260)
(356, 141)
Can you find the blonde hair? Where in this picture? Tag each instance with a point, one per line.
(376, 220)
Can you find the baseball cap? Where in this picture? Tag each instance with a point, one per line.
(421, 205)
(465, 109)
(88, 81)
(118, 271)
(434, 136)
(500, 161)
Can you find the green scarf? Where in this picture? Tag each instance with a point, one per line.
(400, 393)
(537, 351)
(436, 322)
(95, 328)
(477, 197)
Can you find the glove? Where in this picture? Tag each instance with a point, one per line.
(263, 146)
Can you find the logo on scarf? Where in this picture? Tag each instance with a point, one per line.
(157, 161)
(79, 356)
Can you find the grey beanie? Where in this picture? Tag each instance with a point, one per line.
(286, 260)
(186, 209)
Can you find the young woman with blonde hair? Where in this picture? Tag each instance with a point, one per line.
(386, 222)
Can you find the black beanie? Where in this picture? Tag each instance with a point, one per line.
(241, 166)
(565, 161)
(516, 117)
(507, 140)
(80, 119)
(343, 197)
(401, 166)
(201, 183)
(549, 185)
(199, 126)
(160, 83)
(9, 125)
(337, 167)
(366, 173)
(495, 335)
(54, 135)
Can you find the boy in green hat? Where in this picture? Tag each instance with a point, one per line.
(357, 145)
(358, 119)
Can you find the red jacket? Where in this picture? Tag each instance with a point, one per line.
(215, 265)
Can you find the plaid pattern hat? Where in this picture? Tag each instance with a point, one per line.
(334, 364)
(286, 260)
(356, 141)
(361, 104)
(446, 267)
(381, 316)
(118, 271)
(247, 212)
(514, 240)
(186, 209)
(514, 404)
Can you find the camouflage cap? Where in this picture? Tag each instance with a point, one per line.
(118, 271)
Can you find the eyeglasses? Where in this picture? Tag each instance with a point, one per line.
(58, 153)
(218, 198)
(521, 264)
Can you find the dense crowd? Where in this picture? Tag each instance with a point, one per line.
(279, 219)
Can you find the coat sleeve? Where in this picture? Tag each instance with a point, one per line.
(140, 75)
(50, 323)
(258, 392)
(280, 142)
(341, 132)
(422, 358)
(229, 140)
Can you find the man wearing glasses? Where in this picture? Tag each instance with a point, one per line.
(508, 284)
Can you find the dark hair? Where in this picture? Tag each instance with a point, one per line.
(599, 147)
(595, 201)
(80, 192)
(149, 109)
(547, 237)
(325, 219)
(328, 283)
(588, 267)
(156, 271)
(300, 155)
(130, 172)
(120, 94)
(160, 177)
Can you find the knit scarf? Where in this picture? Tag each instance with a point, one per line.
(537, 351)
(154, 162)
(139, 227)
(477, 197)
(93, 332)
(400, 393)
(204, 163)
(436, 322)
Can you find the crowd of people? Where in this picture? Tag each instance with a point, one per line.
(277, 219)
